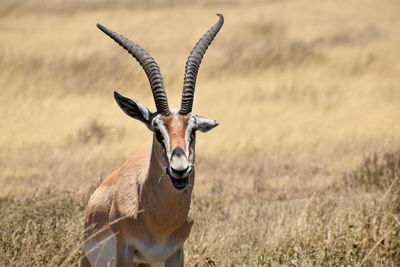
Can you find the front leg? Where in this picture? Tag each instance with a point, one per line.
(176, 259)
(124, 255)
(100, 249)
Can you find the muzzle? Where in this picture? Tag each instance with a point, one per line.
(179, 169)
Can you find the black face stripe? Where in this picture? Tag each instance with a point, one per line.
(192, 135)
(160, 133)
(159, 136)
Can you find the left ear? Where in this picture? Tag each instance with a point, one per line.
(133, 109)
(204, 125)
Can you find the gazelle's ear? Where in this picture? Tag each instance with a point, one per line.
(134, 109)
(204, 125)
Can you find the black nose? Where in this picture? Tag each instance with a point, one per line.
(178, 151)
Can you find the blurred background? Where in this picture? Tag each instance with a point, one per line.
(303, 168)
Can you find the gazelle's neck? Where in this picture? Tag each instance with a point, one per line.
(164, 208)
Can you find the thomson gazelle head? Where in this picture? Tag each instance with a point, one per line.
(174, 130)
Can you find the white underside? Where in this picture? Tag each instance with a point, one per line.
(104, 252)
(151, 252)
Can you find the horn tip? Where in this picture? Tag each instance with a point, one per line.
(220, 16)
(116, 94)
(101, 27)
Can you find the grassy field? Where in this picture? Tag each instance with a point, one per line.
(303, 170)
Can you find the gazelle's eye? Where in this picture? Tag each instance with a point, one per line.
(159, 136)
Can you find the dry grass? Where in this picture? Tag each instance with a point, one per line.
(330, 227)
(303, 91)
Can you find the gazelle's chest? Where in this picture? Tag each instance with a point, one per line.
(149, 251)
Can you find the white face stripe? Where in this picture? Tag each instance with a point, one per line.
(189, 129)
(158, 124)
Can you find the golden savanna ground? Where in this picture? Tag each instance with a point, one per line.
(303, 169)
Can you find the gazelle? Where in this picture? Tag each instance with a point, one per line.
(141, 214)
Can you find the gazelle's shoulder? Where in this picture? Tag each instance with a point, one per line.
(139, 157)
(132, 173)
(137, 165)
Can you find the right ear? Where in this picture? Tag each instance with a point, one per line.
(134, 109)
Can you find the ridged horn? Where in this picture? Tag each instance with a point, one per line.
(193, 64)
(149, 65)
